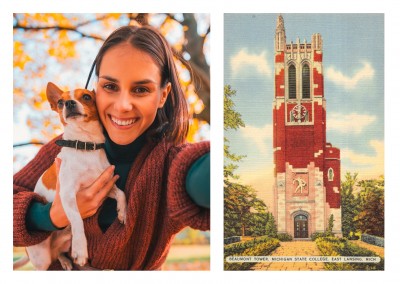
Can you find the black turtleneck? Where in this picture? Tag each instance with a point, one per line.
(122, 157)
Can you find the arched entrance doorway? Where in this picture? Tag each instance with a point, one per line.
(301, 226)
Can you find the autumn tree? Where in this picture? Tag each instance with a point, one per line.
(370, 218)
(61, 48)
(244, 212)
(363, 211)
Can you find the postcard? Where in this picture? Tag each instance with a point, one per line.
(304, 142)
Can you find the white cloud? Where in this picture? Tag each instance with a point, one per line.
(366, 166)
(258, 136)
(349, 123)
(242, 61)
(365, 73)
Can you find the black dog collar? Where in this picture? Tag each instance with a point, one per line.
(79, 145)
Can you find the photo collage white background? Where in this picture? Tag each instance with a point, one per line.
(217, 9)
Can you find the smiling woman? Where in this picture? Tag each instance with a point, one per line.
(128, 105)
(147, 78)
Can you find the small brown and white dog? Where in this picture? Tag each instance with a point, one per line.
(83, 159)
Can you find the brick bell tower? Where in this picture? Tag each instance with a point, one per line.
(307, 168)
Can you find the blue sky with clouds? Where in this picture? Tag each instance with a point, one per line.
(353, 68)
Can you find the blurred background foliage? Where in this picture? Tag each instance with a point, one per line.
(61, 48)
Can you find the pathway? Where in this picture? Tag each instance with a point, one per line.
(295, 248)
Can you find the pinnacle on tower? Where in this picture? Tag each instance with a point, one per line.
(280, 24)
(280, 34)
(316, 41)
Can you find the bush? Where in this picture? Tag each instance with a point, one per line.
(317, 235)
(332, 246)
(270, 228)
(260, 249)
(238, 248)
(353, 236)
(284, 237)
(231, 240)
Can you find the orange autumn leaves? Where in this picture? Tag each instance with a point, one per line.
(20, 57)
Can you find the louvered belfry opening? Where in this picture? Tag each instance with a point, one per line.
(306, 81)
(292, 82)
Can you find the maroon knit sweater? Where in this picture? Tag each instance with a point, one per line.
(158, 208)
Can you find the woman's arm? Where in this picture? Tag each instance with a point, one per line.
(51, 216)
(198, 181)
(38, 217)
(88, 199)
(188, 206)
(24, 183)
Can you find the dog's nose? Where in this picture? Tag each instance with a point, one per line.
(70, 104)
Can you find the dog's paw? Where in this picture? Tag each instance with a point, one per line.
(121, 213)
(81, 260)
(122, 217)
(79, 252)
(65, 262)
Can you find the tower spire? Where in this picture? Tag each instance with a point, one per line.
(280, 34)
(280, 24)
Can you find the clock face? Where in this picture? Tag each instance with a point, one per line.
(299, 112)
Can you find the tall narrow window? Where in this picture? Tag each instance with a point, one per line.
(330, 174)
(306, 81)
(292, 82)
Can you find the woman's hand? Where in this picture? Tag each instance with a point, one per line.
(88, 199)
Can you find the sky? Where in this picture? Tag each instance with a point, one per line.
(353, 68)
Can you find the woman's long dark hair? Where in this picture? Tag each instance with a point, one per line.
(172, 120)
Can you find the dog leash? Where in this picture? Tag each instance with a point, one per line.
(90, 74)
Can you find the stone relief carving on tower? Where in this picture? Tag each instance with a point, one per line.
(300, 184)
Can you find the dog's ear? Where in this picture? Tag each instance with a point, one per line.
(53, 95)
